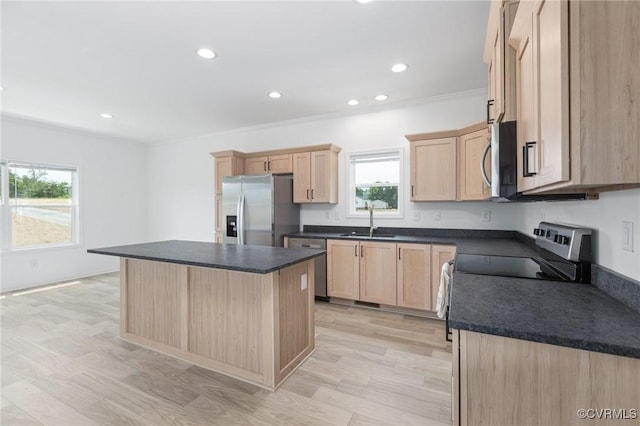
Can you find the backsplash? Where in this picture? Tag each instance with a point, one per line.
(624, 289)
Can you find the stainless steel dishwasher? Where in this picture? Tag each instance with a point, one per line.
(320, 276)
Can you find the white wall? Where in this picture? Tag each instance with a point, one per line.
(605, 216)
(113, 186)
(181, 202)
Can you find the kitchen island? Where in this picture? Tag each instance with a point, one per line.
(245, 311)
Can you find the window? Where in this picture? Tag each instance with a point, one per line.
(374, 180)
(39, 205)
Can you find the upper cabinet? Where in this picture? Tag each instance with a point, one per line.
(578, 91)
(275, 164)
(227, 163)
(445, 166)
(433, 169)
(500, 62)
(474, 155)
(315, 176)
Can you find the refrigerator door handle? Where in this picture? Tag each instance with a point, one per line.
(240, 218)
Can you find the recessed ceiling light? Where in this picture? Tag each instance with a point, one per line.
(1, 88)
(206, 53)
(275, 95)
(399, 67)
(106, 115)
(363, 1)
(353, 102)
(382, 98)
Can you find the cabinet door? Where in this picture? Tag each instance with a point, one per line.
(526, 95)
(223, 168)
(414, 276)
(302, 177)
(439, 256)
(280, 163)
(551, 83)
(378, 272)
(343, 272)
(256, 165)
(496, 77)
(471, 147)
(324, 172)
(433, 170)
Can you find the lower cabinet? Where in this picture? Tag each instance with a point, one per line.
(406, 275)
(504, 381)
(343, 269)
(378, 272)
(414, 276)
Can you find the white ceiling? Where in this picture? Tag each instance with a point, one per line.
(67, 62)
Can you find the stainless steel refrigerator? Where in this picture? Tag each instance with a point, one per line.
(259, 210)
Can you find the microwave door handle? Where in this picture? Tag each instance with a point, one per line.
(483, 159)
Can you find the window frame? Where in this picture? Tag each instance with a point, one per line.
(6, 208)
(352, 157)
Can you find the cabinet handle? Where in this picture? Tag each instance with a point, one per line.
(361, 251)
(399, 252)
(489, 104)
(411, 190)
(264, 165)
(356, 250)
(525, 159)
(269, 165)
(307, 194)
(312, 194)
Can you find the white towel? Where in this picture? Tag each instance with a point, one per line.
(441, 301)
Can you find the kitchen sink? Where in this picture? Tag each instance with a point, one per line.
(366, 235)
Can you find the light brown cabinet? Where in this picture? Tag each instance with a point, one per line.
(439, 256)
(471, 148)
(577, 82)
(362, 270)
(500, 60)
(445, 166)
(315, 177)
(378, 272)
(406, 275)
(433, 169)
(228, 163)
(503, 381)
(414, 276)
(275, 164)
(343, 269)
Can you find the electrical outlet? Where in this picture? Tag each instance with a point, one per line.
(303, 282)
(336, 215)
(416, 215)
(437, 215)
(486, 216)
(328, 214)
(627, 236)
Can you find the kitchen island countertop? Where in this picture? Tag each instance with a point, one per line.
(256, 259)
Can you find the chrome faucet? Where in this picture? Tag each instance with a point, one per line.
(371, 227)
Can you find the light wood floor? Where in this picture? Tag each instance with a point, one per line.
(63, 365)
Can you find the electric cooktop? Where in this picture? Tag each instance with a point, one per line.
(505, 266)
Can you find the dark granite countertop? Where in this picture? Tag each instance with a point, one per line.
(257, 259)
(565, 314)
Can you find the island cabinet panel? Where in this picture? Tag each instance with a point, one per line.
(257, 327)
(504, 381)
(220, 328)
(153, 297)
(296, 313)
